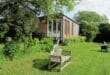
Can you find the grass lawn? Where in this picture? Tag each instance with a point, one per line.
(86, 60)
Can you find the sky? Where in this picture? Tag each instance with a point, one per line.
(102, 7)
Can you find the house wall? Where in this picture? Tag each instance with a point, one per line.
(42, 26)
(75, 30)
(70, 28)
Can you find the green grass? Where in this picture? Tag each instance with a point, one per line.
(86, 60)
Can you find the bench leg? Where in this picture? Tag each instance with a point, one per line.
(60, 66)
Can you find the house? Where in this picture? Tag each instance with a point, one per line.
(60, 26)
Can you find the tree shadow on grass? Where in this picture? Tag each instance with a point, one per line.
(41, 64)
(101, 51)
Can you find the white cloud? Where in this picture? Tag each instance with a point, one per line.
(100, 6)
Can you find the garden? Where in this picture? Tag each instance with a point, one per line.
(87, 59)
(22, 53)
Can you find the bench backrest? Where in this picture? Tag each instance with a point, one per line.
(56, 51)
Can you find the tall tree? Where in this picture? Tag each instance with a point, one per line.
(89, 22)
(104, 34)
(21, 16)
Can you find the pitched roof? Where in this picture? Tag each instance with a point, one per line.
(62, 15)
(69, 18)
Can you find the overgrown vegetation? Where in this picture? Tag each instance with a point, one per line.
(104, 34)
(47, 44)
(10, 49)
(75, 40)
(16, 49)
(86, 60)
(89, 23)
(20, 18)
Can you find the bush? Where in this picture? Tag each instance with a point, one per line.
(79, 39)
(65, 43)
(47, 44)
(38, 34)
(104, 33)
(10, 49)
(32, 42)
(75, 39)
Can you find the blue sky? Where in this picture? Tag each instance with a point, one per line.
(100, 6)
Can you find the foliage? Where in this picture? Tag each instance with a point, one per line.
(104, 27)
(21, 18)
(90, 30)
(3, 29)
(22, 15)
(65, 43)
(75, 40)
(86, 60)
(51, 6)
(89, 22)
(2, 58)
(78, 39)
(10, 49)
(47, 44)
(38, 34)
(90, 16)
(29, 42)
(32, 42)
(104, 34)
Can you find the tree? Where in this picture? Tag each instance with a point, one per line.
(89, 30)
(21, 16)
(104, 34)
(89, 22)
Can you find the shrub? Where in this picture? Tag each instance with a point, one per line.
(38, 34)
(47, 44)
(65, 43)
(82, 38)
(79, 39)
(10, 49)
(32, 42)
(75, 39)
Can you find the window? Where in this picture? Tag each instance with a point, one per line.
(54, 25)
(50, 26)
(59, 26)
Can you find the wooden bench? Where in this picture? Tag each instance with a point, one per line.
(104, 48)
(59, 57)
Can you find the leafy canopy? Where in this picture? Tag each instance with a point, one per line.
(21, 16)
(90, 16)
(89, 22)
